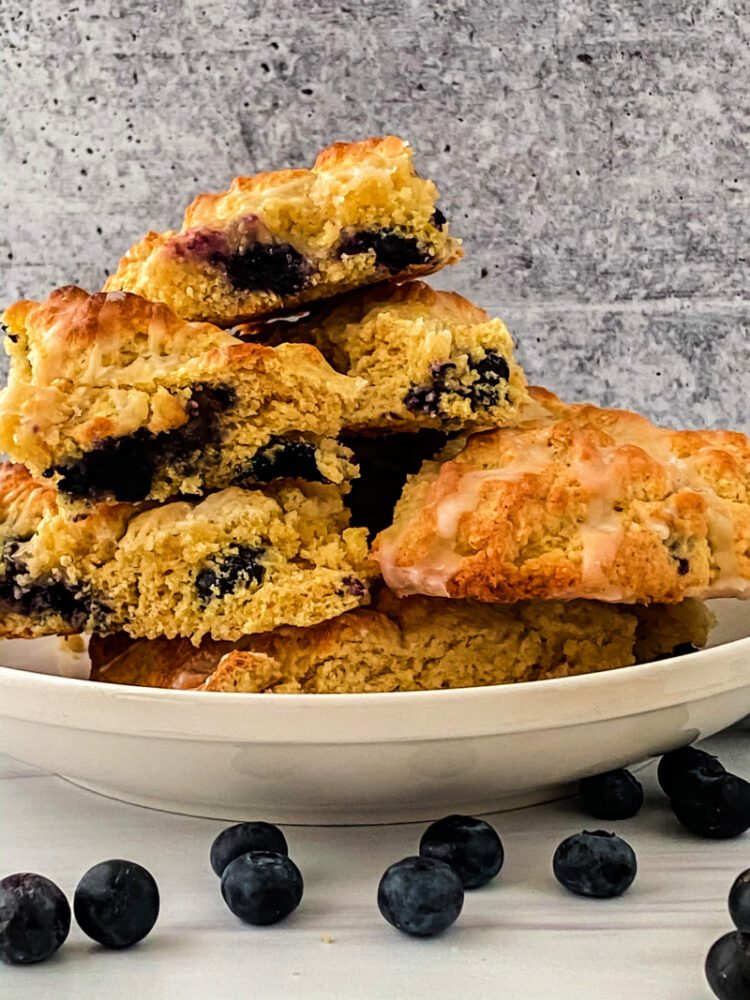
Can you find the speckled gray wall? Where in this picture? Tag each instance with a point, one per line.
(593, 156)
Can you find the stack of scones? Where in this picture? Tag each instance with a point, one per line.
(269, 458)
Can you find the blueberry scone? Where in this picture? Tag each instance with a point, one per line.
(418, 643)
(428, 359)
(117, 399)
(237, 562)
(577, 502)
(278, 240)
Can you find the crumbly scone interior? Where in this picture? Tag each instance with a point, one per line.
(428, 358)
(239, 561)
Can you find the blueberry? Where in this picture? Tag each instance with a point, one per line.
(675, 765)
(595, 864)
(244, 837)
(713, 805)
(239, 567)
(612, 795)
(469, 845)
(438, 219)
(275, 267)
(116, 903)
(34, 918)
(728, 966)
(125, 467)
(420, 896)
(261, 887)
(281, 459)
(739, 902)
(392, 250)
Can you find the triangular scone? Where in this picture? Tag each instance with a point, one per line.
(238, 562)
(278, 240)
(429, 359)
(418, 643)
(577, 502)
(117, 399)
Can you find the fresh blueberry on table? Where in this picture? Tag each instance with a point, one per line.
(34, 918)
(713, 805)
(420, 896)
(245, 837)
(595, 864)
(612, 795)
(675, 765)
(728, 966)
(739, 902)
(116, 903)
(261, 887)
(469, 845)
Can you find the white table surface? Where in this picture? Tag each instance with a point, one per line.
(521, 938)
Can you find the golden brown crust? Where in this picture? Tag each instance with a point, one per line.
(580, 502)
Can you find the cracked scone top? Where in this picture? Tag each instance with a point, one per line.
(427, 358)
(579, 502)
(278, 240)
(117, 399)
(237, 562)
(418, 643)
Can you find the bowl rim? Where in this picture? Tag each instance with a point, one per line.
(374, 717)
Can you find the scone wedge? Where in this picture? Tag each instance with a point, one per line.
(576, 502)
(277, 240)
(418, 643)
(427, 358)
(237, 562)
(115, 398)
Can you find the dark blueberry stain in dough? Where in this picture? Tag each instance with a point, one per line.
(124, 468)
(273, 267)
(37, 598)
(283, 459)
(492, 372)
(354, 586)
(238, 568)
(393, 251)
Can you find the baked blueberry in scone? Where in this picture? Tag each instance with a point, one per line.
(417, 643)
(278, 240)
(429, 359)
(238, 562)
(115, 398)
(576, 501)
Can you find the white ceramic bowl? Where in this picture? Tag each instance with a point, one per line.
(371, 758)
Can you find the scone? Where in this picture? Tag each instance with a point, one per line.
(278, 240)
(579, 502)
(428, 359)
(237, 562)
(418, 643)
(117, 399)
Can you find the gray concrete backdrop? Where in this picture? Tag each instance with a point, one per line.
(594, 156)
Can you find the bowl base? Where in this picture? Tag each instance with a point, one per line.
(357, 815)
